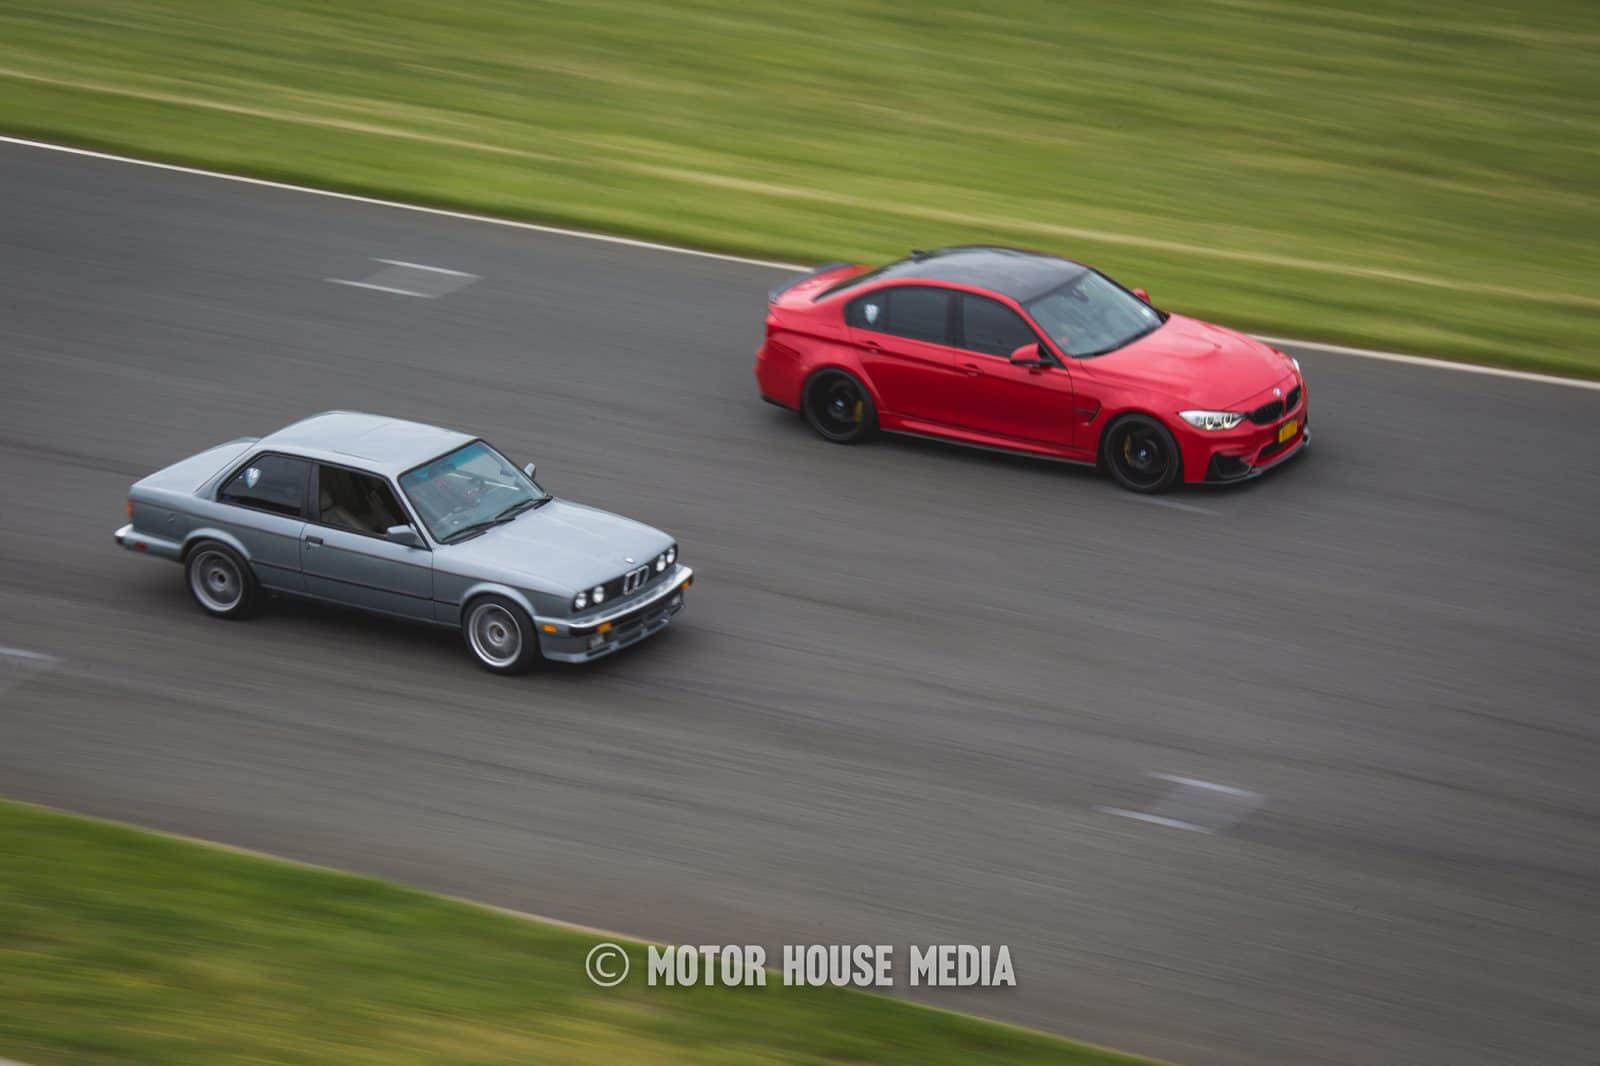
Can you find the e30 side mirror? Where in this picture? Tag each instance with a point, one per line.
(403, 535)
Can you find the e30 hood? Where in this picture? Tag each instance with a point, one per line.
(561, 545)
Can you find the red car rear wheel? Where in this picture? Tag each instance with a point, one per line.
(839, 407)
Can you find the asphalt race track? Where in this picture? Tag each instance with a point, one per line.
(913, 682)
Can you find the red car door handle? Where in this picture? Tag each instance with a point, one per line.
(972, 370)
(872, 346)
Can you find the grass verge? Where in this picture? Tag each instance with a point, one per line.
(119, 946)
(1391, 173)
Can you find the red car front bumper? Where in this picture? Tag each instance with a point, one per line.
(1254, 446)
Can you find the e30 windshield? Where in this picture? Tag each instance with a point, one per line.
(468, 490)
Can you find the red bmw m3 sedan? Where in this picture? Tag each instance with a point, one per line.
(1025, 352)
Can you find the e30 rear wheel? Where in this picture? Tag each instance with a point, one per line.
(220, 581)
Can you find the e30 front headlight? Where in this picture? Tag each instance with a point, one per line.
(1212, 419)
(580, 601)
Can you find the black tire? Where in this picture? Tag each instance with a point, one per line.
(220, 581)
(500, 636)
(839, 407)
(1141, 454)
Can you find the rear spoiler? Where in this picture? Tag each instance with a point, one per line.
(773, 294)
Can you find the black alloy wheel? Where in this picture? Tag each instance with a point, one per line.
(839, 408)
(1142, 455)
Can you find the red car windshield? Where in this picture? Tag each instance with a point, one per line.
(1092, 315)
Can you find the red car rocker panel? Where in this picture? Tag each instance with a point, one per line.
(1009, 349)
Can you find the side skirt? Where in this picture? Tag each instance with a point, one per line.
(340, 605)
(996, 449)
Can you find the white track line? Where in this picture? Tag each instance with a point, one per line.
(24, 653)
(1209, 786)
(656, 246)
(399, 205)
(379, 288)
(1437, 364)
(424, 266)
(1153, 819)
(1174, 505)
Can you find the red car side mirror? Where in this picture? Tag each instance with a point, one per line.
(1141, 294)
(1029, 355)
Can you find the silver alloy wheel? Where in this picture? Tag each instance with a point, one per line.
(495, 636)
(215, 580)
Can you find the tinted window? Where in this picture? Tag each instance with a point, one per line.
(919, 313)
(868, 312)
(273, 483)
(360, 502)
(914, 311)
(991, 327)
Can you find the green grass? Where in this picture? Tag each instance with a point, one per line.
(1415, 175)
(118, 946)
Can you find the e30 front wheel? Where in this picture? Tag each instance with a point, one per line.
(500, 635)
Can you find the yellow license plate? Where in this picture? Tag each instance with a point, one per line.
(1288, 429)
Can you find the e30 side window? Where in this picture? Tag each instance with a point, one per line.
(358, 502)
(273, 483)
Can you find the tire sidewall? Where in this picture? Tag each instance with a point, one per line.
(250, 592)
(869, 418)
(1174, 472)
(526, 659)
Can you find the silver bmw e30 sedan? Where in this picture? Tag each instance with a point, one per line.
(409, 520)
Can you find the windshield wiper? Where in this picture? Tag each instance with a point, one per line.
(469, 531)
(515, 509)
(498, 520)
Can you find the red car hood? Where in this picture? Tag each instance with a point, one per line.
(1201, 366)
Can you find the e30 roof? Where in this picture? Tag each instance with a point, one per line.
(381, 444)
(1011, 272)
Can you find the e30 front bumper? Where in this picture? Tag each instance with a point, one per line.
(584, 639)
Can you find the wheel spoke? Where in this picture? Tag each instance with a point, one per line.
(837, 405)
(215, 580)
(1142, 456)
(494, 634)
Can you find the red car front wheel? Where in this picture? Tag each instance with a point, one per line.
(1141, 454)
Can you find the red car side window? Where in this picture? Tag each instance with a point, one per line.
(868, 312)
(916, 312)
(990, 327)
